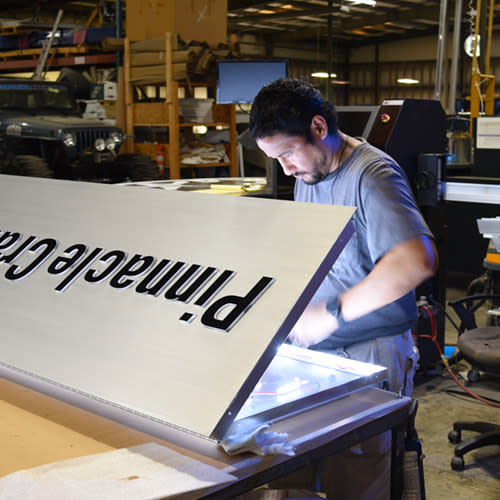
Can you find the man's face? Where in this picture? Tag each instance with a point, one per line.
(303, 160)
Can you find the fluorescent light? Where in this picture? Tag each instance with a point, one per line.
(366, 2)
(372, 3)
(323, 74)
(408, 81)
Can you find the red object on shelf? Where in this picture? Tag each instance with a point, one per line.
(160, 158)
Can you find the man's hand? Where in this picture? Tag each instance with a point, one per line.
(315, 324)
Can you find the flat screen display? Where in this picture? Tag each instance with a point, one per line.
(356, 121)
(240, 81)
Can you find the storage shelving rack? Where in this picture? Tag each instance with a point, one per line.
(144, 113)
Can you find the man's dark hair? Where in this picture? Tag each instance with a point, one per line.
(287, 106)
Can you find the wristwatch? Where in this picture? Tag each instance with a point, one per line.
(333, 307)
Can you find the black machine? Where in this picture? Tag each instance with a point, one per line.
(406, 129)
(413, 132)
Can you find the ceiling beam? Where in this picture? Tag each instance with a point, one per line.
(399, 15)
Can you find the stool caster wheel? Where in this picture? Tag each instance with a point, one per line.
(454, 437)
(473, 375)
(457, 463)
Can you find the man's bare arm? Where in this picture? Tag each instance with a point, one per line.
(400, 270)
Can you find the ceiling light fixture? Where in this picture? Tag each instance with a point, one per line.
(323, 74)
(408, 81)
(372, 3)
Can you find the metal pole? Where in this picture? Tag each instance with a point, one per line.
(119, 31)
(441, 40)
(44, 54)
(490, 32)
(329, 62)
(475, 67)
(454, 57)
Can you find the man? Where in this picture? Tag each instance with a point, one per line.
(366, 305)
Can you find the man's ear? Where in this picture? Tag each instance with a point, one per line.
(319, 127)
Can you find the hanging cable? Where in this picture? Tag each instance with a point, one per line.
(471, 13)
(443, 310)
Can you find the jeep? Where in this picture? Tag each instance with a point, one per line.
(43, 134)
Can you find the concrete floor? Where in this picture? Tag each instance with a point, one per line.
(442, 402)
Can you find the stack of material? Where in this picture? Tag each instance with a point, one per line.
(195, 153)
(191, 60)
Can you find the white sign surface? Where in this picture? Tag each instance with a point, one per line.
(167, 304)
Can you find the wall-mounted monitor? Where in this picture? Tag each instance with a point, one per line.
(356, 120)
(240, 81)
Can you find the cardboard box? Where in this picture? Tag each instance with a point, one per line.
(201, 20)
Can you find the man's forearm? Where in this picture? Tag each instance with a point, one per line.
(398, 272)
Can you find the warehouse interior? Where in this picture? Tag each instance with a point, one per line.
(155, 96)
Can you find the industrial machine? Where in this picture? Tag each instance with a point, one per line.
(403, 128)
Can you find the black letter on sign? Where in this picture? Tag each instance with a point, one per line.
(150, 286)
(61, 265)
(136, 266)
(214, 287)
(8, 239)
(82, 265)
(50, 245)
(18, 251)
(118, 256)
(240, 306)
(180, 289)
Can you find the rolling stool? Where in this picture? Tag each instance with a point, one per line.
(481, 348)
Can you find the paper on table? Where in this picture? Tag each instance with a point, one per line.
(147, 471)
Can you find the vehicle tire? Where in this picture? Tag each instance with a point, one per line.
(138, 167)
(27, 165)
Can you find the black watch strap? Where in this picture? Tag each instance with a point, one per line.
(333, 308)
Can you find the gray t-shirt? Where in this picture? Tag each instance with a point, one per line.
(386, 215)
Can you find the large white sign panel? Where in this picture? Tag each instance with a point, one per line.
(163, 303)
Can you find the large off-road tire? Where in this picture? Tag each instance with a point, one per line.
(138, 167)
(28, 165)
